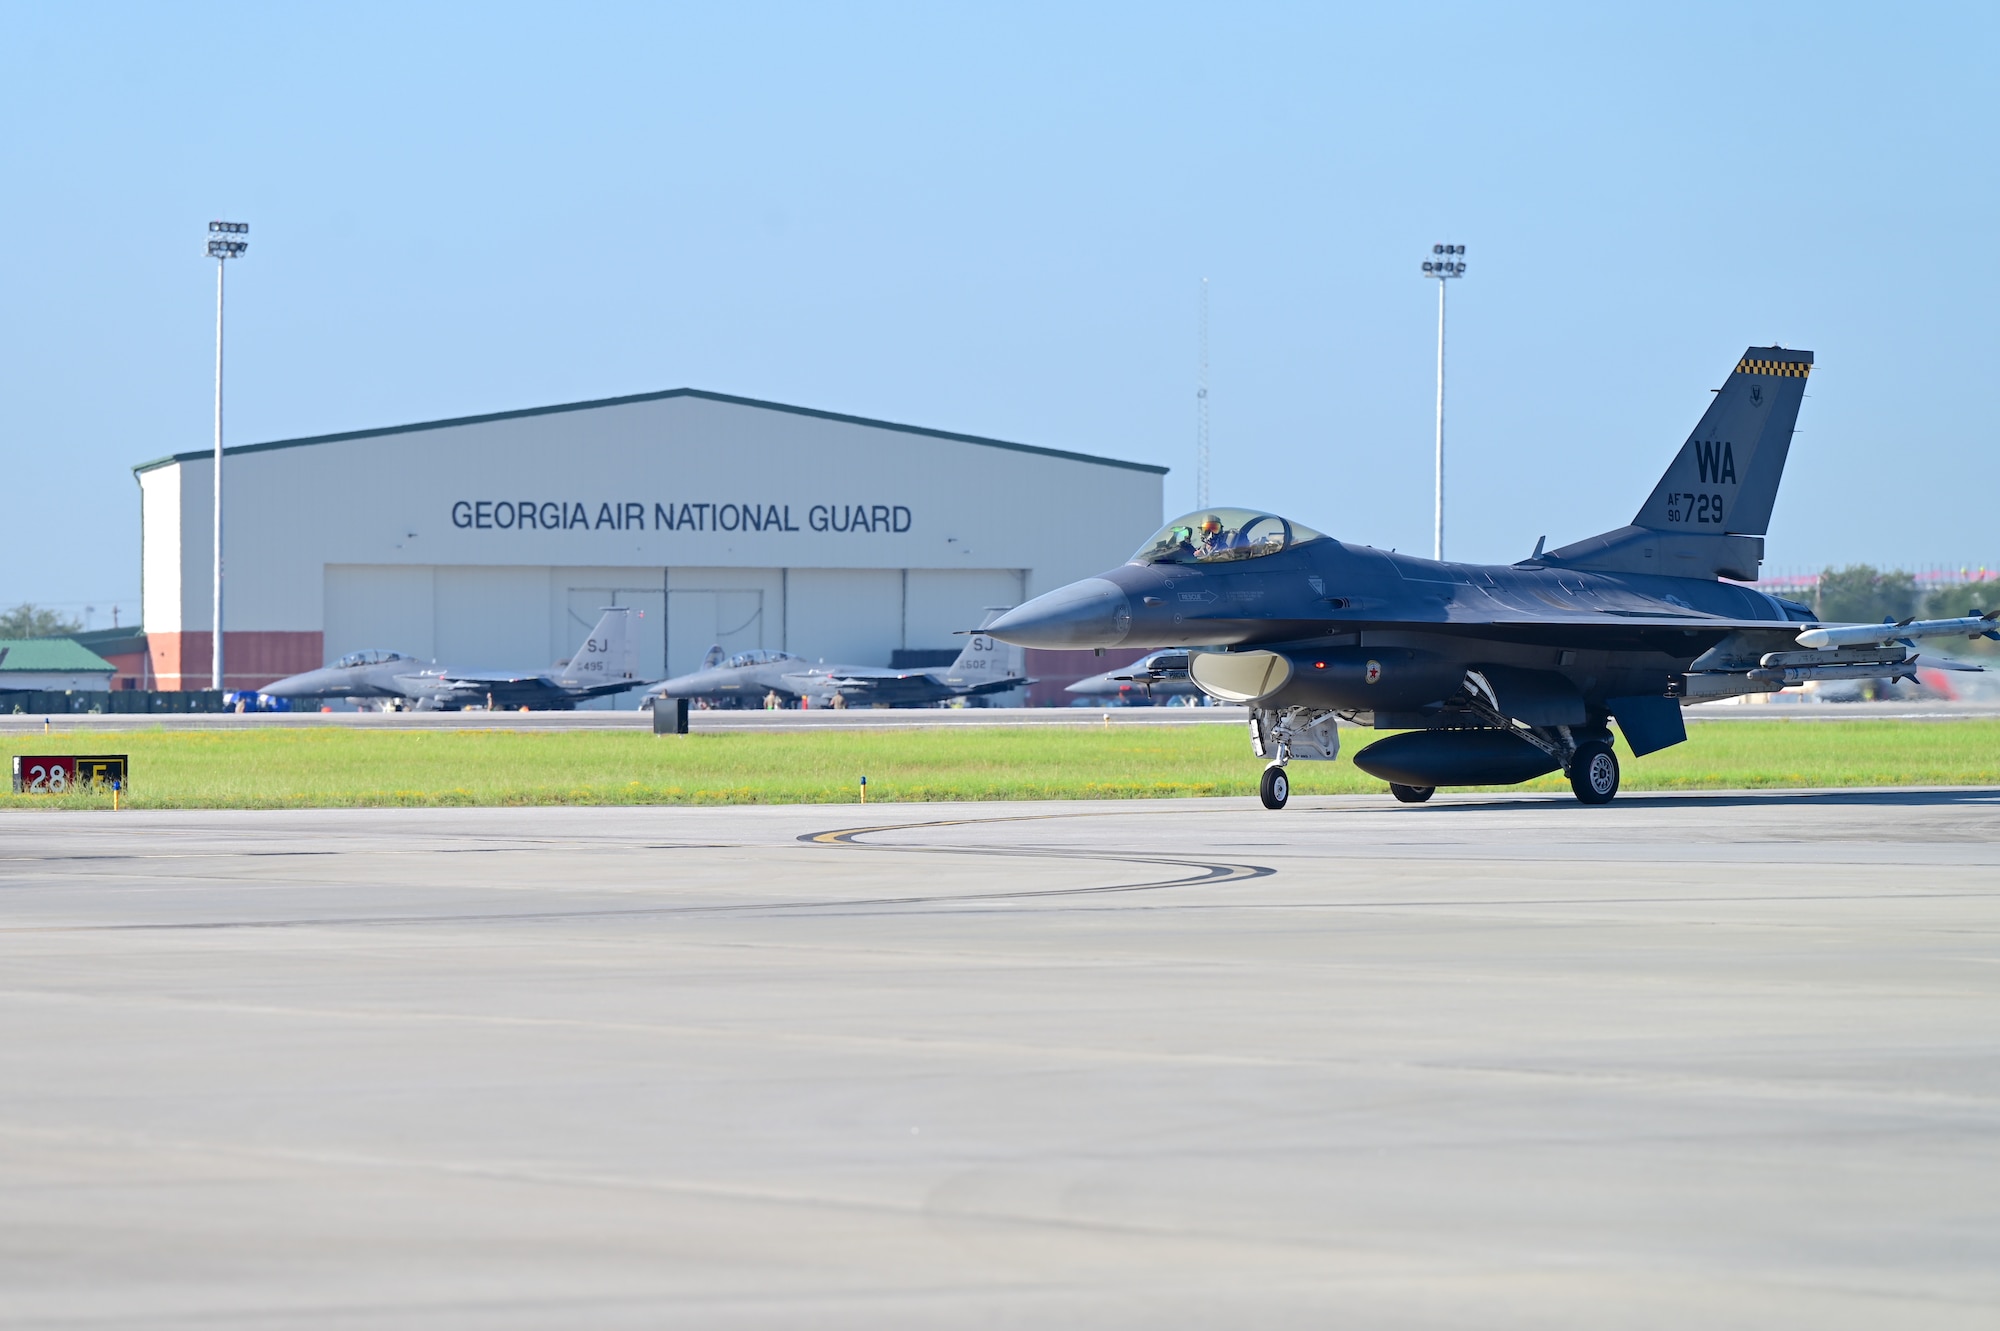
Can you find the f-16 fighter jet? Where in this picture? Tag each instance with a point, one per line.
(983, 667)
(1154, 677)
(606, 662)
(1496, 673)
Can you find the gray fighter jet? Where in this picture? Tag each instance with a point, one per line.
(364, 676)
(1498, 673)
(983, 667)
(1155, 677)
(742, 680)
(606, 662)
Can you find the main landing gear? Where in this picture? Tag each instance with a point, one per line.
(1593, 772)
(1412, 794)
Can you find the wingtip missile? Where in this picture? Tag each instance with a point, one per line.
(1865, 635)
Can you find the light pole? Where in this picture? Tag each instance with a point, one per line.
(1201, 410)
(223, 246)
(1445, 263)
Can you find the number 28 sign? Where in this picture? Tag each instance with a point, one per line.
(53, 774)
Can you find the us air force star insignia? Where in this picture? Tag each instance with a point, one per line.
(1374, 672)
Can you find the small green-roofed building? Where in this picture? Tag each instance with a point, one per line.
(51, 665)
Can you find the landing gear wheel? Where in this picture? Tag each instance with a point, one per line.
(1412, 794)
(1275, 788)
(1593, 772)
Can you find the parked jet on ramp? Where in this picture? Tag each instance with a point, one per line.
(605, 662)
(983, 667)
(1155, 677)
(1499, 673)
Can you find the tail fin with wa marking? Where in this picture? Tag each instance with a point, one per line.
(1708, 515)
(1725, 479)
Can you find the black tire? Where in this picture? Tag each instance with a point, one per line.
(1593, 772)
(1275, 788)
(1412, 794)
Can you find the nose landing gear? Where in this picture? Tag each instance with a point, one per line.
(1275, 788)
(1280, 736)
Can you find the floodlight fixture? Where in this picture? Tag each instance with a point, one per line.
(1447, 261)
(220, 246)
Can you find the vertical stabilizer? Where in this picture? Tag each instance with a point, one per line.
(608, 654)
(1708, 515)
(1725, 480)
(984, 659)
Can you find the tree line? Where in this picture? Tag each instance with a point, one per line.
(1864, 594)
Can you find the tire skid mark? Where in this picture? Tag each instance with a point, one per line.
(1196, 873)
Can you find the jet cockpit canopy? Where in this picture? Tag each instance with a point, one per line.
(758, 656)
(1220, 535)
(369, 656)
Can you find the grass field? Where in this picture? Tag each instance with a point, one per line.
(344, 768)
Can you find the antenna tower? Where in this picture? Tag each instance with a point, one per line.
(1201, 411)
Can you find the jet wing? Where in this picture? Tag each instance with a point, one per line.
(579, 690)
(507, 689)
(881, 686)
(469, 678)
(988, 686)
(869, 684)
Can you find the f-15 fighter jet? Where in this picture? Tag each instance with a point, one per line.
(983, 667)
(606, 662)
(1155, 677)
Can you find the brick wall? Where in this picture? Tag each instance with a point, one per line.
(252, 659)
(1053, 671)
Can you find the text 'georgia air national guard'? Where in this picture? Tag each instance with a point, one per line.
(1497, 673)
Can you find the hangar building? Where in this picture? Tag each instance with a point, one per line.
(490, 542)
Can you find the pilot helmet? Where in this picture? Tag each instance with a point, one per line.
(1210, 525)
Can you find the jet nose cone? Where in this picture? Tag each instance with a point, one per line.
(312, 683)
(1091, 613)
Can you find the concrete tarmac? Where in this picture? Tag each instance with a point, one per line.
(1713, 1060)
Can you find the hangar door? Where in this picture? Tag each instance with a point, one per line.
(466, 617)
(698, 620)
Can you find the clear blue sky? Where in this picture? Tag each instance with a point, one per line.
(996, 220)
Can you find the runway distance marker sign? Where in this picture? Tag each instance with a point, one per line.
(55, 774)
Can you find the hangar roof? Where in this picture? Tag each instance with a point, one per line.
(199, 454)
(44, 654)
